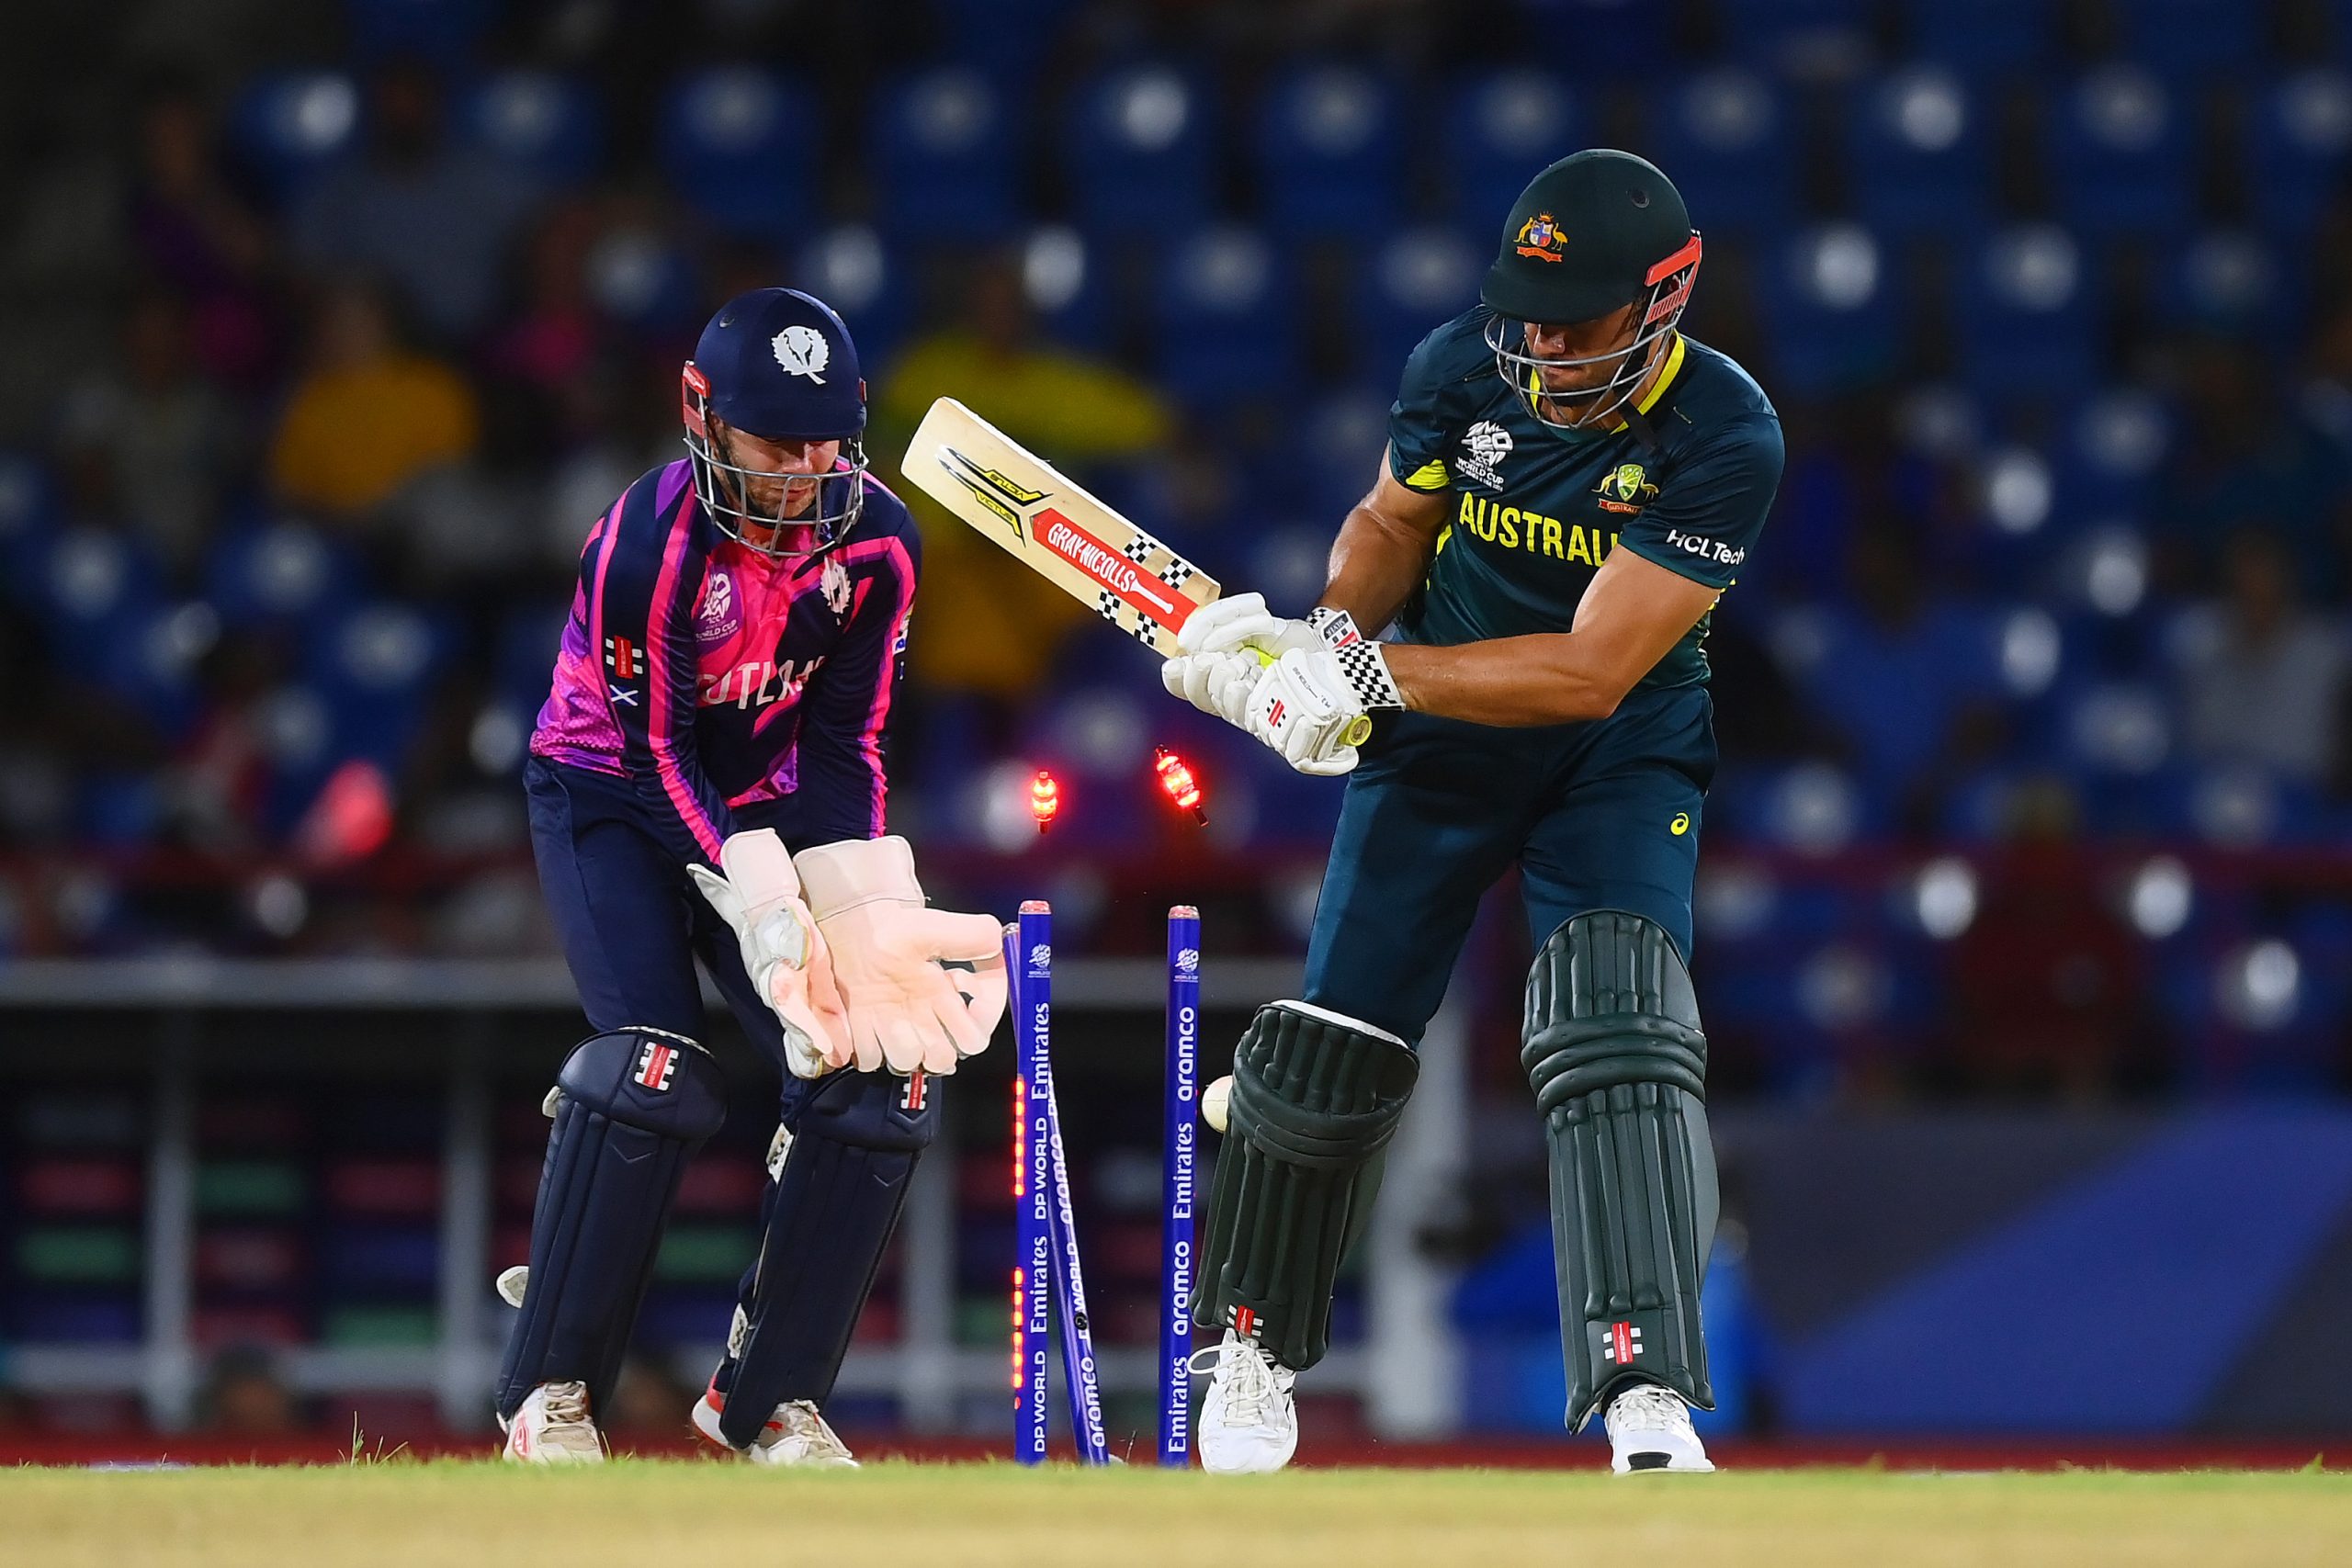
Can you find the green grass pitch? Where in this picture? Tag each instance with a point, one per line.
(652, 1514)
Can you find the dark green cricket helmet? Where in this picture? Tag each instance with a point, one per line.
(1595, 233)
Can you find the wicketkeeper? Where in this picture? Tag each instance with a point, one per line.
(706, 782)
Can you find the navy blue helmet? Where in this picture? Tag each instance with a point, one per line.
(779, 365)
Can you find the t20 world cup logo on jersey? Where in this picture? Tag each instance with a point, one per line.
(720, 616)
(1484, 446)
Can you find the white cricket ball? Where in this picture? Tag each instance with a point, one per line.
(1214, 1100)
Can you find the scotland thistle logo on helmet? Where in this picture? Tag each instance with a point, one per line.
(777, 367)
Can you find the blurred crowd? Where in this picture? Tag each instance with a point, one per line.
(339, 325)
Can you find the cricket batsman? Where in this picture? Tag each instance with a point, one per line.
(1570, 484)
(705, 781)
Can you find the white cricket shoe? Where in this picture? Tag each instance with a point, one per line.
(553, 1427)
(795, 1435)
(1249, 1422)
(1649, 1429)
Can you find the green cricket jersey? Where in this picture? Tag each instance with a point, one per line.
(1685, 482)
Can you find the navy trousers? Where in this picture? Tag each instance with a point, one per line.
(630, 921)
(1597, 816)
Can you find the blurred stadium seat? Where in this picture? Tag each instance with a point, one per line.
(293, 127)
(1138, 147)
(443, 31)
(1726, 134)
(1833, 310)
(1329, 140)
(545, 124)
(944, 146)
(1227, 319)
(1920, 152)
(2120, 141)
(1985, 40)
(734, 142)
(1501, 129)
(2031, 313)
(2301, 131)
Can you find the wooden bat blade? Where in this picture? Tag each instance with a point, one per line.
(1068, 536)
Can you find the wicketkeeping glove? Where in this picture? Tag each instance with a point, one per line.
(906, 1010)
(784, 951)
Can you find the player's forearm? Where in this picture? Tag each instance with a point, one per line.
(1516, 681)
(1376, 562)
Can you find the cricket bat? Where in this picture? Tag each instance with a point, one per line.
(1069, 537)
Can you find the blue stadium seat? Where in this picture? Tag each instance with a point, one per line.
(283, 575)
(1340, 452)
(1329, 155)
(1009, 39)
(2120, 152)
(1501, 130)
(443, 31)
(2114, 450)
(28, 515)
(736, 141)
(154, 664)
(1916, 141)
(1723, 137)
(93, 590)
(2301, 131)
(1983, 38)
(523, 659)
(1227, 323)
(1417, 279)
(943, 148)
(1894, 694)
(2027, 314)
(2192, 39)
(1607, 39)
(549, 125)
(1140, 143)
(1062, 279)
(1782, 33)
(289, 128)
(375, 667)
(2233, 281)
(849, 268)
(1833, 315)
(644, 277)
(1288, 564)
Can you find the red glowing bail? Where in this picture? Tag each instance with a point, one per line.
(1045, 799)
(1176, 781)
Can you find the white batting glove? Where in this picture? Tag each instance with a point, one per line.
(906, 1011)
(784, 951)
(1239, 621)
(1312, 704)
(1216, 683)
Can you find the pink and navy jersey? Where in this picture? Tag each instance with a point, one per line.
(719, 681)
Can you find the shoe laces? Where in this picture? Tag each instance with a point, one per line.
(1245, 1373)
(566, 1405)
(802, 1424)
(1648, 1407)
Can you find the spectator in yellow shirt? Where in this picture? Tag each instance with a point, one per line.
(996, 631)
(368, 415)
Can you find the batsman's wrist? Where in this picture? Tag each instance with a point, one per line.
(1362, 662)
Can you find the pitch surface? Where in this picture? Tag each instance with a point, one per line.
(636, 1514)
